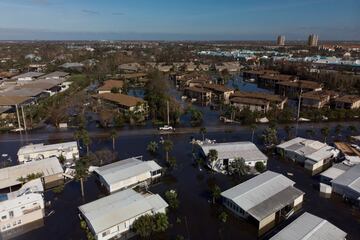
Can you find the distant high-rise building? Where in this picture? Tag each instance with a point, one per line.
(281, 40)
(313, 40)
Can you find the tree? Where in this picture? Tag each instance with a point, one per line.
(172, 199)
(152, 147)
(81, 169)
(143, 226)
(253, 129)
(161, 222)
(288, 129)
(260, 167)
(113, 135)
(168, 146)
(270, 136)
(172, 162)
(352, 129)
(223, 217)
(325, 133)
(212, 157)
(86, 140)
(338, 129)
(238, 167)
(202, 131)
(216, 193)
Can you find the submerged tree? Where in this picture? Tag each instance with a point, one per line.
(113, 135)
(253, 129)
(81, 169)
(239, 167)
(152, 147)
(202, 131)
(212, 156)
(168, 146)
(325, 133)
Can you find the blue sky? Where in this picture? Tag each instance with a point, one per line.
(179, 20)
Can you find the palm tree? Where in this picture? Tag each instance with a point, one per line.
(77, 136)
(253, 128)
(325, 133)
(81, 169)
(203, 132)
(338, 129)
(113, 135)
(216, 193)
(168, 146)
(152, 147)
(239, 167)
(212, 156)
(352, 129)
(86, 140)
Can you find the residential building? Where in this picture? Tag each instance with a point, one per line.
(228, 152)
(318, 99)
(313, 40)
(348, 102)
(309, 226)
(314, 155)
(128, 173)
(333, 172)
(74, 66)
(292, 89)
(35, 152)
(269, 81)
(50, 169)
(110, 85)
(29, 76)
(198, 93)
(255, 101)
(348, 184)
(129, 67)
(255, 74)
(220, 93)
(21, 208)
(266, 199)
(112, 216)
(56, 75)
(124, 102)
(280, 40)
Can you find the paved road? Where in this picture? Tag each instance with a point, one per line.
(65, 135)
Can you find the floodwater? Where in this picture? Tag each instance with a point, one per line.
(197, 217)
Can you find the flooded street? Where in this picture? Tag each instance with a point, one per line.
(197, 217)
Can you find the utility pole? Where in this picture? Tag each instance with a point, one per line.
(23, 116)
(298, 112)
(18, 116)
(168, 109)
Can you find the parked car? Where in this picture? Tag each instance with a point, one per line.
(166, 128)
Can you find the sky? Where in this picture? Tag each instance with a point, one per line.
(178, 20)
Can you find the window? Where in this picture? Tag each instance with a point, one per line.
(3, 217)
(11, 214)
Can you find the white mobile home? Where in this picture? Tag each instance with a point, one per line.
(50, 169)
(314, 155)
(348, 184)
(34, 152)
(112, 216)
(21, 208)
(267, 198)
(127, 173)
(309, 226)
(228, 152)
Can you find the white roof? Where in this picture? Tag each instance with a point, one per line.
(350, 178)
(124, 169)
(33, 148)
(356, 137)
(48, 167)
(310, 227)
(119, 207)
(246, 150)
(311, 149)
(252, 193)
(335, 171)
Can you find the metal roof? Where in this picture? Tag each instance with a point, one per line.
(275, 203)
(125, 169)
(310, 227)
(253, 195)
(335, 171)
(28, 74)
(34, 148)
(48, 167)
(350, 178)
(119, 207)
(246, 150)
